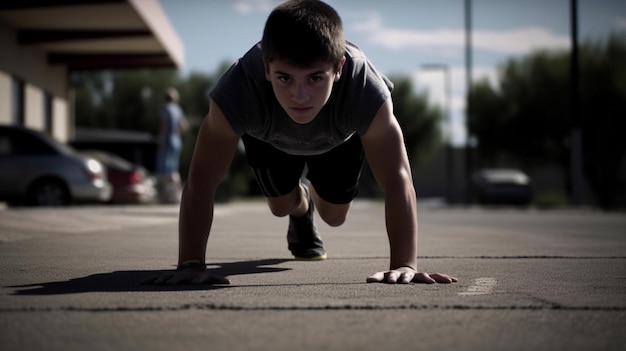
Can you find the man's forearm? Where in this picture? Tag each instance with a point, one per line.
(401, 222)
(195, 220)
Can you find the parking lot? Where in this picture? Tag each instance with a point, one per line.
(541, 280)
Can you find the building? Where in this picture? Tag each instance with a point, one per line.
(42, 41)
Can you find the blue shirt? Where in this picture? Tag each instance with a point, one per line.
(172, 115)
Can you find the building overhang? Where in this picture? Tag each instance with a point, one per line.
(96, 34)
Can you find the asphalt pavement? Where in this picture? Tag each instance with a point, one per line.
(528, 280)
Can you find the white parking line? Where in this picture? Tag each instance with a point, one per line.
(482, 286)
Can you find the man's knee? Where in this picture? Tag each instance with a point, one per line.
(333, 215)
(279, 209)
(282, 206)
(334, 220)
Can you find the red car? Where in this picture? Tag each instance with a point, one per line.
(131, 182)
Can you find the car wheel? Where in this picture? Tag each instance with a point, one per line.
(49, 192)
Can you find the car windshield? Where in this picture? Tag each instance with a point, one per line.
(505, 176)
(62, 148)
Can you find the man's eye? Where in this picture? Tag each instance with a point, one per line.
(284, 79)
(315, 79)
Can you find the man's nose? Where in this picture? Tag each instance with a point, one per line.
(300, 93)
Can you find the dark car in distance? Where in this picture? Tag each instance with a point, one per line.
(502, 186)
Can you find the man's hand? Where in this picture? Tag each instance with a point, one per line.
(405, 275)
(187, 276)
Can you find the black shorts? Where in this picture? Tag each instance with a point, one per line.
(334, 174)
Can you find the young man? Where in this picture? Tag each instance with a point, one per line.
(303, 96)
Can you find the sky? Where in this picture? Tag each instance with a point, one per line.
(421, 39)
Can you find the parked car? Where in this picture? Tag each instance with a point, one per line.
(131, 182)
(38, 170)
(502, 186)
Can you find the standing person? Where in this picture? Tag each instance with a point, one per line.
(171, 128)
(303, 96)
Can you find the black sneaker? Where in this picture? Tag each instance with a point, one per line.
(303, 239)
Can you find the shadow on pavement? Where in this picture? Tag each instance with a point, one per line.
(131, 281)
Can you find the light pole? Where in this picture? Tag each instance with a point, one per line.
(448, 131)
(469, 154)
(576, 157)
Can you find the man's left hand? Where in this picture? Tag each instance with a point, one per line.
(405, 275)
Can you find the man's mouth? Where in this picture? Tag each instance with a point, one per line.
(300, 109)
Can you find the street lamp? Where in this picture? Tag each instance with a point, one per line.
(448, 132)
(469, 139)
(576, 156)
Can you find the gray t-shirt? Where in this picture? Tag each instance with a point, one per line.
(247, 100)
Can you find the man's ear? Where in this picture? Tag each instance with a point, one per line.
(340, 68)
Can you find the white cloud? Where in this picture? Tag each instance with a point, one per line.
(253, 6)
(373, 21)
(520, 41)
(512, 41)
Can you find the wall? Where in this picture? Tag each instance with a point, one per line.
(31, 66)
(5, 98)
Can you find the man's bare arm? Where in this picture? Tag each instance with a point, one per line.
(387, 157)
(386, 154)
(213, 153)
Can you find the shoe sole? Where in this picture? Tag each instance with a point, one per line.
(314, 258)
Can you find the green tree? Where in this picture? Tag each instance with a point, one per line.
(90, 97)
(528, 118)
(603, 111)
(127, 100)
(137, 97)
(420, 122)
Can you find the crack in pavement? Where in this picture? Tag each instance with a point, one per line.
(487, 257)
(221, 307)
(523, 257)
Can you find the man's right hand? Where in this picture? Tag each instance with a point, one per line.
(187, 276)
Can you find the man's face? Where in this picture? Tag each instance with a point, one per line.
(302, 92)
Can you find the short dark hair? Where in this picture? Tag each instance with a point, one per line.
(302, 32)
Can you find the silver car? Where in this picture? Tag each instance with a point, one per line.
(38, 170)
